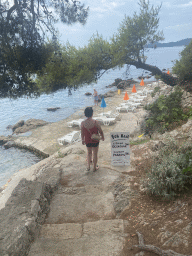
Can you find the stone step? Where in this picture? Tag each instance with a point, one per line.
(100, 238)
(80, 208)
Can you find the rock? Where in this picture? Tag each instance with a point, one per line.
(117, 81)
(53, 109)
(9, 144)
(22, 216)
(110, 86)
(124, 83)
(18, 124)
(157, 145)
(88, 94)
(29, 125)
(9, 127)
(3, 140)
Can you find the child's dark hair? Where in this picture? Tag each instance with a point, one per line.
(88, 112)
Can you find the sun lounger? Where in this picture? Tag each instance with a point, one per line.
(75, 123)
(105, 120)
(136, 99)
(70, 138)
(131, 104)
(109, 114)
(125, 108)
(140, 96)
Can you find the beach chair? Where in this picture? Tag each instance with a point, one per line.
(134, 99)
(75, 123)
(72, 137)
(130, 104)
(109, 114)
(105, 114)
(105, 120)
(140, 96)
(125, 108)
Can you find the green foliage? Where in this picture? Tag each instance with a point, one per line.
(156, 89)
(68, 66)
(183, 67)
(135, 33)
(190, 113)
(171, 171)
(23, 26)
(71, 67)
(165, 111)
(85, 65)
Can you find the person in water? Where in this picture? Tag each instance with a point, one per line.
(89, 127)
(95, 95)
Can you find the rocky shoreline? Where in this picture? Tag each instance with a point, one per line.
(39, 208)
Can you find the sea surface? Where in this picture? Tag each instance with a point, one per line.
(11, 111)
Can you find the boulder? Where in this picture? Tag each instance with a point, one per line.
(52, 109)
(22, 217)
(88, 94)
(9, 127)
(29, 125)
(125, 83)
(9, 144)
(110, 85)
(3, 140)
(17, 125)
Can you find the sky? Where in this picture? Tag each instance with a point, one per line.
(106, 15)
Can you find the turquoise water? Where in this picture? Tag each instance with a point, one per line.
(11, 111)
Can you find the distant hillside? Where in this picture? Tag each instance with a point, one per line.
(171, 44)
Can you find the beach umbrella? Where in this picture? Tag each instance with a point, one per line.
(168, 72)
(126, 97)
(103, 104)
(142, 82)
(134, 89)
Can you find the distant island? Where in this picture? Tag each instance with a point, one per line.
(171, 44)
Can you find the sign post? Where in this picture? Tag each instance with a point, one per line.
(120, 150)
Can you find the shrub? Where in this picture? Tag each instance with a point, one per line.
(183, 67)
(165, 111)
(156, 89)
(171, 171)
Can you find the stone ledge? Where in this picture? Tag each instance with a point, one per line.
(22, 216)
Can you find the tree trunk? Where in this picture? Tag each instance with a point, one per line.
(168, 79)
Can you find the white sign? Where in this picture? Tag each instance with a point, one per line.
(120, 150)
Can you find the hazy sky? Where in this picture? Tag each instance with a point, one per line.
(106, 15)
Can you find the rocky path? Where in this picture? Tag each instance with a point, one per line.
(73, 212)
(82, 218)
(84, 211)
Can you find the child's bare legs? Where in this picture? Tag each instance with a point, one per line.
(95, 152)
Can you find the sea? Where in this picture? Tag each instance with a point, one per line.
(11, 111)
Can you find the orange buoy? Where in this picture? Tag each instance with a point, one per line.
(126, 97)
(142, 82)
(134, 89)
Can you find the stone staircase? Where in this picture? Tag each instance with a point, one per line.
(83, 217)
